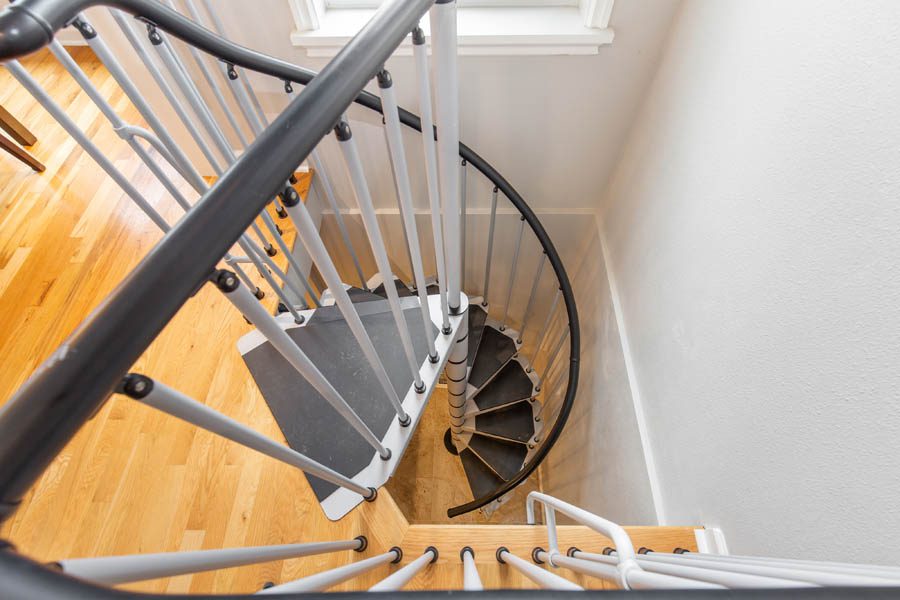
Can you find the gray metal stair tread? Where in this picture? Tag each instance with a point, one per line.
(477, 317)
(482, 480)
(505, 458)
(380, 305)
(358, 295)
(510, 385)
(515, 423)
(494, 350)
(309, 424)
(402, 290)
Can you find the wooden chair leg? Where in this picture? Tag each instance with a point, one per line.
(20, 154)
(15, 129)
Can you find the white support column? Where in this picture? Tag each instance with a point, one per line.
(456, 371)
(446, 92)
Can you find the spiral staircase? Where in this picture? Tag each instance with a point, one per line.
(346, 363)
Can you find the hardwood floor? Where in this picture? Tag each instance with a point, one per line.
(135, 480)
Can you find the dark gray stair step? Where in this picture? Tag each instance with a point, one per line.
(402, 290)
(482, 480)
(477, 317)
(505, 458)
(515, 422)
(510, 385)
(494, 350)
(358, 295)
(432, 288)
(309, 423)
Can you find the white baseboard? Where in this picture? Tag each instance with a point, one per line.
(711, 540)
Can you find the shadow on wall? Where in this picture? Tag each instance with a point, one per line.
(598, 462)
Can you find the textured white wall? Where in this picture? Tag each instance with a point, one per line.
(753, 225)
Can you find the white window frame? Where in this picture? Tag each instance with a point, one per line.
(462, 3)
(486, 27)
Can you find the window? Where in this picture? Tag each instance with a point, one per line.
(485, 27)
(461, 3)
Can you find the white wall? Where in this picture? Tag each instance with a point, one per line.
(599, 463)
(753, 228)
(552, 125)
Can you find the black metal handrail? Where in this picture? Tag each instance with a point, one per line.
(34, 22)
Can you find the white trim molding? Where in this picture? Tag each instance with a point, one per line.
(517, 29)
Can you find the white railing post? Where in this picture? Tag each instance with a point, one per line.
(545, 579)
(532, 296)
(446, 97)
(396, 581)
(112, 570)
(431, 170)
(161, 397)
(309, 236)
(404, 194)
(490, 249)
(326, 579)
(512, 274)
(266, 324)
(370, 222)
(471, 579)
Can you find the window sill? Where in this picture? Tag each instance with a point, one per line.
(539, 31)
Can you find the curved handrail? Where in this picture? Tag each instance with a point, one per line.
(36, 20)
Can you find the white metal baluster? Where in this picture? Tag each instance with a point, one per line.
(794, 572)
(471, 580)
(44, 99)
(555, 352)
(545, 328)
(490, 248)
(446, 96)
(169, 93)
(198, 105)
(512, 275)
(163, 85)
(404, 194)
(532, 296)
(326, 579)
(119, 125)
(172, 151)
(244, 301)
(323, 180)
(253, 108)
(431, 170)
(396, 581)
(180, 160)
(210, 80)
(463, 215)
(309, 236)
(370, 221)
(170, 401)
(112, 570)
(730, 580)
(545, 579)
